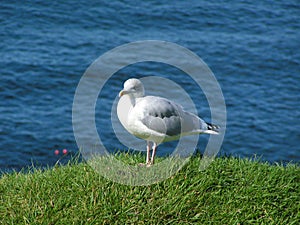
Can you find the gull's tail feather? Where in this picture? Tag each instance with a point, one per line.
(212, 129)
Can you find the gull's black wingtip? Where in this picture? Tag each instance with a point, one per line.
(213, 127)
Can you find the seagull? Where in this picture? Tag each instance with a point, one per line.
(156, 119)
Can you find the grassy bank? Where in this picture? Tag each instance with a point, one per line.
(230, 191)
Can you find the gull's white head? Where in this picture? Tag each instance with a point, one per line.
(133, 87)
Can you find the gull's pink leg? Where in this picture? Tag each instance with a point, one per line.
(148, 152)
(148, 155)
(153, 153)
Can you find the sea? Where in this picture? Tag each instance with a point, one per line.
(252, 48)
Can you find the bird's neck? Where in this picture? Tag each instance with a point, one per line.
(132, 100)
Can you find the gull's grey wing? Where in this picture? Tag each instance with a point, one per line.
(164, 116)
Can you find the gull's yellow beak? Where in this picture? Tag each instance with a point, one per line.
(121, 93)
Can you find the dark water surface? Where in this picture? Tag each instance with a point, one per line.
(252, 48)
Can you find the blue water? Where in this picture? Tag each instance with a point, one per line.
(252, 48)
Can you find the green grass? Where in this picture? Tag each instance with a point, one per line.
(229, 191)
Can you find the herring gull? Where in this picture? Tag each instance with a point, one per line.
(157, 120)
